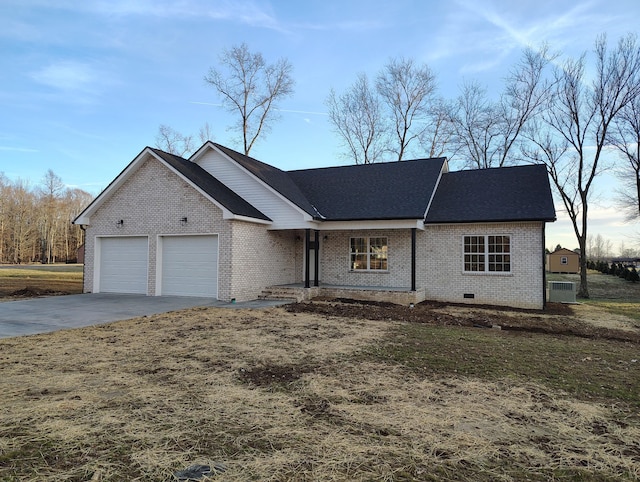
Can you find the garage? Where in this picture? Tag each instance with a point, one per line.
(189, 265)
(123, 264)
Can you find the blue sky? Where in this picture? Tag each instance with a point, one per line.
(85, 84)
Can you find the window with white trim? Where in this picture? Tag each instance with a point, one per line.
(368, 254)
(487, 254)
(564, 260)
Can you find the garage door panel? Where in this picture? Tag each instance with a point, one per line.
(123, 264)
(190, 266)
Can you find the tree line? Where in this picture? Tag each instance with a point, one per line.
(35, 222)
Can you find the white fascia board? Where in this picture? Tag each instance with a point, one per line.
(305, 215)
(237, 217)
(84, 218)
(445, 168)
(364, 225)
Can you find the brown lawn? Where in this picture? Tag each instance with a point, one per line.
(329, 390)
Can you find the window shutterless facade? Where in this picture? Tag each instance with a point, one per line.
(368, 254)
(487, 254)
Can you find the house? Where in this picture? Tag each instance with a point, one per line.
(227, 226)
(563, 260)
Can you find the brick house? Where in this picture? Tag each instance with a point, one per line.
(227, 226)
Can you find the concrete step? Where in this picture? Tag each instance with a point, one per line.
(280, 293)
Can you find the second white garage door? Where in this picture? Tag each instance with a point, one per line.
(190, 266)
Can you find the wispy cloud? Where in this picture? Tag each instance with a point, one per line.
(17, 149)
(493, 29)
(67, 75)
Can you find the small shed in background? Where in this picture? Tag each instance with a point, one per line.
(563, 261)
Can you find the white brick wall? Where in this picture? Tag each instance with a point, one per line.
(260, 258)
(440, 268)
(334, 259)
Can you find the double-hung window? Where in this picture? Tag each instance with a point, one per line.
(368, 254)
(487, 254)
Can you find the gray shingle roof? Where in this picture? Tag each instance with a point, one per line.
(209, 184)
(392, 190)
(519, 193)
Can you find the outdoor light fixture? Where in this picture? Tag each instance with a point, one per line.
(183, 220)
(120, 223)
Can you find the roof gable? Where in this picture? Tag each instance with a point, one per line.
(565, 251)
(209, 186)
(275, 178)
(519, 193)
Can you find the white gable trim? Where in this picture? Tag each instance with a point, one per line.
(84, 218)
(201, 152)
(444, 169)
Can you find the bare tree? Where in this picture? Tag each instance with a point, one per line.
(476, 126)
(252, 88)
(173, 142)
(598, 248)
(437, 137)
(357, 118)
(51, 193)
(485, 131)
(408, 91)
(625, 136)
(205, 133)
(572, 134)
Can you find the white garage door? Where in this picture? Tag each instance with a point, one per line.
(190, 266)
(123, 265)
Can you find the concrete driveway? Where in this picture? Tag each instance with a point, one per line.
(43, 315)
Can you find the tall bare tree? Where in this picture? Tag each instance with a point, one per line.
(51, 193)
(408, 91)
(486, 131)
(625, 136)
(571, 137)
(251, 88)
(357, 118)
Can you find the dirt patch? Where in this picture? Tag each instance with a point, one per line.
(556, 319)
(31, 292)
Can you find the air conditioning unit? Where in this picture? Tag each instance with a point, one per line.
(562, 291)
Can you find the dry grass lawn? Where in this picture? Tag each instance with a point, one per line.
(301, 394)
(36, 280)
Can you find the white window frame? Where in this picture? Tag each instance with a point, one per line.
(483, 257)
(564, 260)
(368, 254)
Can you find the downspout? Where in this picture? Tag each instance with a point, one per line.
(83, 228)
